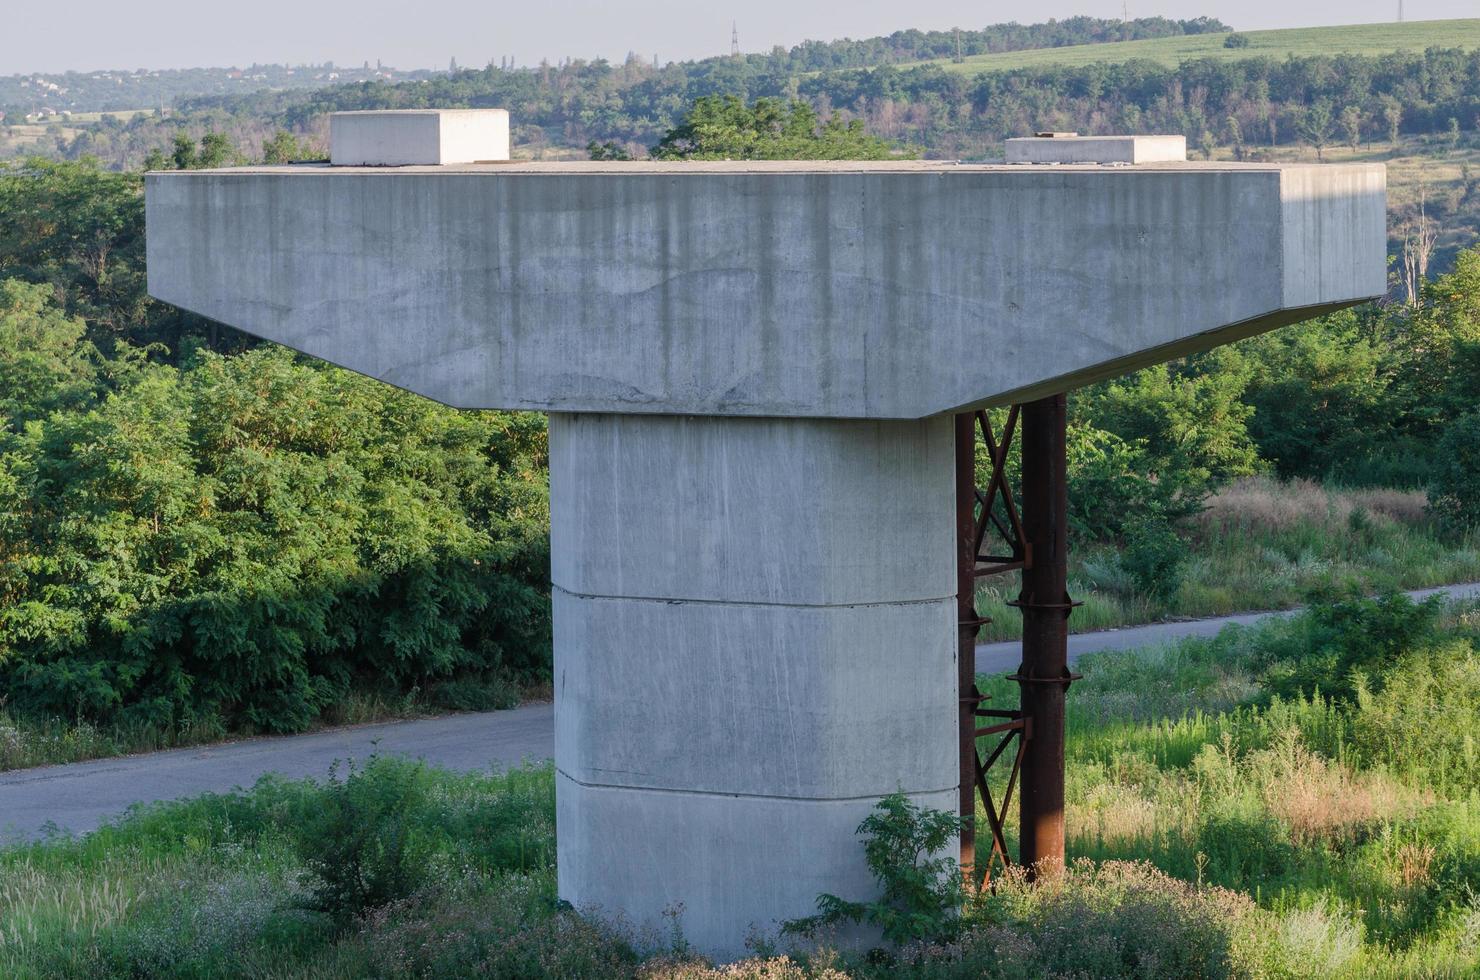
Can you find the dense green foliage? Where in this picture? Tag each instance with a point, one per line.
(1375, 396)
(1457, 480)
(724, 128)
(80, 230)
(248, 537)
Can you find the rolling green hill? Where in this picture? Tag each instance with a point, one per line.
(1369, 39)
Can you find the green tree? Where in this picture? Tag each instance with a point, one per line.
(183, 153)
(1236, 137)
(1208, 143)
(1392, 114)
(1351, 125)
(725, 128)
(282, 147)
(1320, 395)
(1314, 125)
(45, 364)
(1189, 416)
(1113, 489)
(215, 151)
(609, 150)
(80, 229)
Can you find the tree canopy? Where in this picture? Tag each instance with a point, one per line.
(725, 128)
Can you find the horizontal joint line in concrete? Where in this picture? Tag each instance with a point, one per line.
(680, 601)
(752, 796)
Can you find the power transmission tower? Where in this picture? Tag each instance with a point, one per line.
(959, 59)
(734, 39)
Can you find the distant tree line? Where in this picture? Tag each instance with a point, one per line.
(1244, 103)
(915, 45)
(135, 89)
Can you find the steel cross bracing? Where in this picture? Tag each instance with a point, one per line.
(991, 540)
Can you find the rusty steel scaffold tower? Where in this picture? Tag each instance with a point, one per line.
(1000, 533)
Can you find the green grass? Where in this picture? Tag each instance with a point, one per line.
(1262, 545)
(1177, 756)
(1296, 837)
(1365, 39)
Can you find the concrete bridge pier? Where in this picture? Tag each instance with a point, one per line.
(754, 642)
(755, 552)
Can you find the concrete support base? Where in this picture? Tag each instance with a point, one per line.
(754, 642)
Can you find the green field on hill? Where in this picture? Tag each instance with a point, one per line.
(1368, 39)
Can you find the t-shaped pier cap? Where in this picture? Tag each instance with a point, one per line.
(418, 137)
(1073, 148)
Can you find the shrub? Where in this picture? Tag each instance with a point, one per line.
(1236, 40)
(1423, 718)
(1154, 557)
(921, 887)
(374, 836)
(1455, 492)
(356, 842)
(1116, 919)
(1109, 490)
(1349, 642)
(489, 693)
(508, 929)
(1245, 849)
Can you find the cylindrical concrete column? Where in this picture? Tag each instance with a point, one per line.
(754, 642)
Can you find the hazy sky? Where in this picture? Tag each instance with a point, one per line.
(92, 34)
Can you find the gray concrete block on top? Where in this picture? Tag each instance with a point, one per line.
(769, 510)
(409, 137)
(852, 290)
(1073, 148)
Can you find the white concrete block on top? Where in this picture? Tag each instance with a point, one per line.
(418, 137)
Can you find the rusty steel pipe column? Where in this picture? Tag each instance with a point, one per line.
(1044, 674)
(966, 618)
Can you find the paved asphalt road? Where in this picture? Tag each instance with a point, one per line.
(79, 797)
